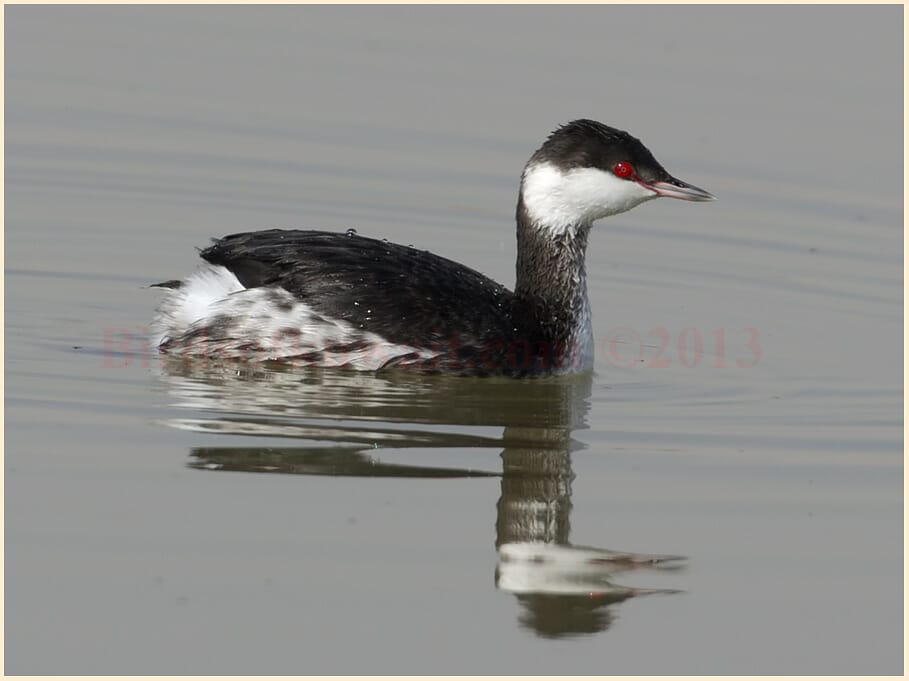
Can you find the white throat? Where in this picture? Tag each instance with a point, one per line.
(561, 200)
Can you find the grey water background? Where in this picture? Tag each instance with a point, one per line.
(165, 520)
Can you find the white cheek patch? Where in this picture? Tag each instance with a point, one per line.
(561, 199)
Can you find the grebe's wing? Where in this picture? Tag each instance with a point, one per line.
(404, 294)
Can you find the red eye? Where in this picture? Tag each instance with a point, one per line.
(623, 169)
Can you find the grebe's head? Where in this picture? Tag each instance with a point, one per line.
(586, 171)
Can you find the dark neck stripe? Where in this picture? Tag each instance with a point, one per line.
(551, 282)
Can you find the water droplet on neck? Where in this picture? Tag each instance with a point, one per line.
(351, 232)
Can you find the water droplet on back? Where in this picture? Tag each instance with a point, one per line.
(351, 232)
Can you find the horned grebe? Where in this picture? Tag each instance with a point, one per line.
(344, 300)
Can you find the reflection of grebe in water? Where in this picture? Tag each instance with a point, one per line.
(345, 300)
(385, 425)
(565, 589)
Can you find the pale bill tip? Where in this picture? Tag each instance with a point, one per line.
(676, 189)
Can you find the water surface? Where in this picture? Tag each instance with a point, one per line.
(745, 413)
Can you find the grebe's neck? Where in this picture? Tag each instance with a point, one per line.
(560, 199)
(551, 278)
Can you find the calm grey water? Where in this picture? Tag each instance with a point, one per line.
(745, 413)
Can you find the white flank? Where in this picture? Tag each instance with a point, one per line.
(226, 320)
(193, 301)
(560, 200)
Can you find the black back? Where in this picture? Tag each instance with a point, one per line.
(404, 294)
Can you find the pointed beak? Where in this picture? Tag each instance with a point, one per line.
(676, 189)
